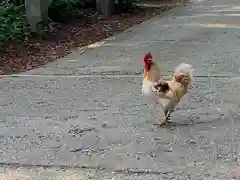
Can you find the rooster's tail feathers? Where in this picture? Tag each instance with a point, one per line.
(184, 69)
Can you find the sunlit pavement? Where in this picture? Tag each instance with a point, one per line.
(83, 117)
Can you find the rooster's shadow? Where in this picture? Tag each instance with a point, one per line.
(182, 124)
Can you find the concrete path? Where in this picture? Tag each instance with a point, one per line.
(86, 111)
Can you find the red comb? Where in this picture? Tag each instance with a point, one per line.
(147, 57)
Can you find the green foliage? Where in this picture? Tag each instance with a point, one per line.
(13, 23)
(63, 10)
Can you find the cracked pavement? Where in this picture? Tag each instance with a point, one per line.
(84, 117)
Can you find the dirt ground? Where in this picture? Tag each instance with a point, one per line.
(19, 57)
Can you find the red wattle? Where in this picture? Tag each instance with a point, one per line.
(147, 67)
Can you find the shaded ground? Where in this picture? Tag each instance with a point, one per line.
(35, 52)
(84, 116)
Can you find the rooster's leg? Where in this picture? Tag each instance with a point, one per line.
(168, 116)
(165, 121)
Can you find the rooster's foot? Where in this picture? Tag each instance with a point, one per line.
(161, 123)
(165, 122)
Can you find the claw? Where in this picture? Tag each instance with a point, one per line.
(164, 122)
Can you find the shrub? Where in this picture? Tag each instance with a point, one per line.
(124, 5)
(13, 24)
(63, 10)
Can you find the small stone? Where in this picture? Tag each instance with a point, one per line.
(104, 125)
(191, 142)
(168, 150)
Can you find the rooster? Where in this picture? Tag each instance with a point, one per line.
(166, 93)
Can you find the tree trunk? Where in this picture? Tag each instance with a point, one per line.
(105, 7)
(37, 13)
